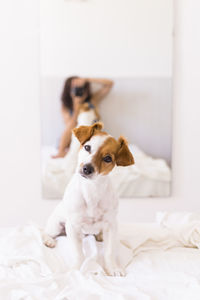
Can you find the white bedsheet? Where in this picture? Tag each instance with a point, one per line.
(148, 177)
(157, 265)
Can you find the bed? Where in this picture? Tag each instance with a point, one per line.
(149, 177)
(162, 261)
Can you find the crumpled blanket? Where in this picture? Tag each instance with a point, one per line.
(147, 177)
(157, 264)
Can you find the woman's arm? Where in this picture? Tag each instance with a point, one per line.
(103, 91)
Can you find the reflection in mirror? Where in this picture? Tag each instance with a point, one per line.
(108, 60)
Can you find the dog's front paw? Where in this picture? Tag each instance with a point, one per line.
(49, 241)
(114, 270)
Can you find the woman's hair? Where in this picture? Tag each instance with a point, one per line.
(66, 94)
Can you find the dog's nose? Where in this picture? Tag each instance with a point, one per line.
(88, 169)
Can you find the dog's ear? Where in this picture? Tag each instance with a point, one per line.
(124, 157)
(84, 133)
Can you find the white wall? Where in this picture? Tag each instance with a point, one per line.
(20, 194)
(20, 129)
(113, 38)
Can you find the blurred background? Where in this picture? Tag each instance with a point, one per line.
(129, 42)
(20, 117)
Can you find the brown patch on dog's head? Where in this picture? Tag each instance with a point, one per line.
(110, 153)
(107, 150)
(84, 133)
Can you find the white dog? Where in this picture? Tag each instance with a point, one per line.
(89, 206)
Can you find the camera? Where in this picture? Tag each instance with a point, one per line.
(78, 91)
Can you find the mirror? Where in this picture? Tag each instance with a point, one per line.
(120, 52)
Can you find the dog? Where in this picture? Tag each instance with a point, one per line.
(89, 205)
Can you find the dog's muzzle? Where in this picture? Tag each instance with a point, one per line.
(87, 170)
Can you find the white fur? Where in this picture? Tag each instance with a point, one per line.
(95, 142)
(89, 206)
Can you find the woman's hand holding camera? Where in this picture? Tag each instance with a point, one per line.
(77, 101)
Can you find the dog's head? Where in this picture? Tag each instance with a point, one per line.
(100, 152)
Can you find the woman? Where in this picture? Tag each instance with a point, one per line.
(72, 97)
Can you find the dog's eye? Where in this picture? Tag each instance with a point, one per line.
(87, 148)
(107, 158)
